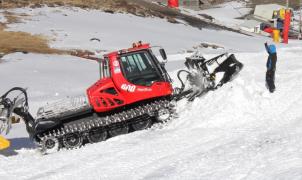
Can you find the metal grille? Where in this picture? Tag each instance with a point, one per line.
(64, 107)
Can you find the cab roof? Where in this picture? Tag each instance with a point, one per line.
(135, 47)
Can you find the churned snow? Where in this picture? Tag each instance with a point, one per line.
(239, 131)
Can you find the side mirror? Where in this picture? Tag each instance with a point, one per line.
(163, 54)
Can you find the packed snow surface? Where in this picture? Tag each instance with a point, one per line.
(237, 132)
(240, 131)
(230, 14)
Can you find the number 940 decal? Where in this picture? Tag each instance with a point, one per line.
(128, 87)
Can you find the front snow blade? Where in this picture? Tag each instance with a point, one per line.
(4, 143)
(201, 79)
(231, 67)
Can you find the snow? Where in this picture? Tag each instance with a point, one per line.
(73, 29)
(239, 131)
(226, 13)
(47, 76)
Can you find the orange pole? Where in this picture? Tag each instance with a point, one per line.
(286, 26)
(173, 3)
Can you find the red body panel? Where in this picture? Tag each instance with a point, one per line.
(110, 93)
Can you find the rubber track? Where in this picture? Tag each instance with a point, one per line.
(107, 122)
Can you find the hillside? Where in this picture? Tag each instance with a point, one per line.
(26, 42)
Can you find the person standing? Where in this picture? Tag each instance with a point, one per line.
(271, 66)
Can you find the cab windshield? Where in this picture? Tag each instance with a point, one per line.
(139, 68)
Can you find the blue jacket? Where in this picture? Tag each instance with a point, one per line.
(272, 57)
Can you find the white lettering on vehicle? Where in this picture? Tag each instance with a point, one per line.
(128, 87)
(144, 89)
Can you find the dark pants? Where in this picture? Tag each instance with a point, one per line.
(270, 80)
(270, 73)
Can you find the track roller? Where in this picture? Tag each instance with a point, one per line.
(49, 145)
(97, 135)
(137, 126)
(115, 131)
(72, 140)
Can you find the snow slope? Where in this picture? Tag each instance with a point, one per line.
(47, 77)
(237, 132)
(226, 13)
(73, 29)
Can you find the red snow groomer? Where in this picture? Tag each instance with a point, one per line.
(134, 91)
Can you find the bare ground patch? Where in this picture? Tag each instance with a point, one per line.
(11, 42)
(111, 6)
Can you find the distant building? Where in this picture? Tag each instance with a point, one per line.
(265, 12)
(266, 15)
(250, 26)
